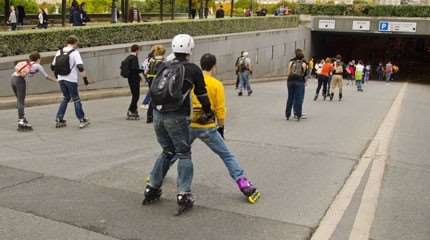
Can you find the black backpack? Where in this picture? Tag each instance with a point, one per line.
(62, 63)
(297, 68)
(125, 68)
(166, 88)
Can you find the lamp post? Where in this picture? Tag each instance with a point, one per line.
(232, 8)
(172, 17)
(63, 12)
(161, 10)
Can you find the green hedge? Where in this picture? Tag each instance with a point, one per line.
(362, 10)
(22, 42)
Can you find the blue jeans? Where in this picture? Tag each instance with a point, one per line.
(70, 92)
(244, 81)
(215, 142)
(172, 130)
(359, 84)
(388, 76)
(296, 95)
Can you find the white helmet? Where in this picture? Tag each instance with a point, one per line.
(245, 54)
(182, 43)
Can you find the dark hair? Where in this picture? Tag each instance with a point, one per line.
(72, 39)
(299, 53)
(207, 62)
(339, 57)
(34, 56)
(135, 48)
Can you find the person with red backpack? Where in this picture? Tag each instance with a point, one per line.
(23, 70)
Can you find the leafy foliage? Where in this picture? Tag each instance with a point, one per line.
(22, 42)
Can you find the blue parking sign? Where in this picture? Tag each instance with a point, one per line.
(384, 26)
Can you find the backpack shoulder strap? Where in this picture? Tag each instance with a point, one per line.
(70, 52)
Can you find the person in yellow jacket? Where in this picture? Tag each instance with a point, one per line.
(212, 132)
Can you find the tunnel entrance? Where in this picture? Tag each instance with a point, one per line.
(410, 53)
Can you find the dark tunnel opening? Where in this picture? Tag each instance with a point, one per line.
(410, 53)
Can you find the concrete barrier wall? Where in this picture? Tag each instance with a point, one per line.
(270, 52)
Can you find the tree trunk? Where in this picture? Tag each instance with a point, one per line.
(63, 12)
(172, 14)
(161, 9)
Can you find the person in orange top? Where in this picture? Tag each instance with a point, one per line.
(323, 78)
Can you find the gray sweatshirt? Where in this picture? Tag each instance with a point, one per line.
(12, 17)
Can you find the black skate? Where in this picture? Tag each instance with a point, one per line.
(249, 190)
(331, 96)
(340, 97)
(316, 97)
(60, 123)
(151, 195)
(185, 203)
(133, 116)
(250, 93)
(24, 126)
(84, 123)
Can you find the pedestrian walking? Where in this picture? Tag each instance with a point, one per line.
(212, 132)
(67, 65)
(84, 15)
(337, 79)
(23, 71)
(388, 71)
(351, 72)
(43, 19)
(245, 72)
(367, 72)
(154, 63)
(170, 93)
(359, 75)
(130, 69)
(296, 85)
(12, 21)
(236, 67)
(380, 70)
(323, 79)
(20, 13)
(219, 12)
(75, 14)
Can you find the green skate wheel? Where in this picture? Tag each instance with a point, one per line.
(254, 197)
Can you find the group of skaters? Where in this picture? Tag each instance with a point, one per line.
(186, 100)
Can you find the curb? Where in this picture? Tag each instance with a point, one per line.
(51, 98)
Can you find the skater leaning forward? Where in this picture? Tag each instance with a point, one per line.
(23, 70)
(212, 132)
(170, 94)
(67, 65)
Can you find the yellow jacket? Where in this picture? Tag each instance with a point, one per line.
(215, 90)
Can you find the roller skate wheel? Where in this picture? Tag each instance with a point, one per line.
(254, 197)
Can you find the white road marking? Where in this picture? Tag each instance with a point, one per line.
(369, 200)
(341, 202)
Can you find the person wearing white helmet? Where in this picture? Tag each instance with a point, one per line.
(245, 70)
(170, 93)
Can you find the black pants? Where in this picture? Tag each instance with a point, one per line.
(237, 80)
(134, 84)
(322, 81)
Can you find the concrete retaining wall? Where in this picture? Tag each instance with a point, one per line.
(270, 51)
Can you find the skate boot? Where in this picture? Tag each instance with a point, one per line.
(185, 202)
(249, 190)
(84, 123)
(324, 96)
(316, 97)
(151, 195)
(240, 94)
(24, 126)
(331, 96)
(340, 97)
(132, 116)
(250, 92)
(60, 123)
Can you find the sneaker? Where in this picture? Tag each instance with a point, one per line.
(84, 123)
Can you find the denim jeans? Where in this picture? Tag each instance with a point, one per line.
(244, 81)
(70, 92)
(359, 84)
(296, 94)
(388, 76)
(215, 142)
(172, 130)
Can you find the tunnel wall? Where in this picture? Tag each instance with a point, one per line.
(270, 52)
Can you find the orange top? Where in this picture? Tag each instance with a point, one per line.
(326, 69)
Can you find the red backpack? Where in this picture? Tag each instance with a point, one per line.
(23, 68)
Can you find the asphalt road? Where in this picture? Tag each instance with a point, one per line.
(88, 184)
